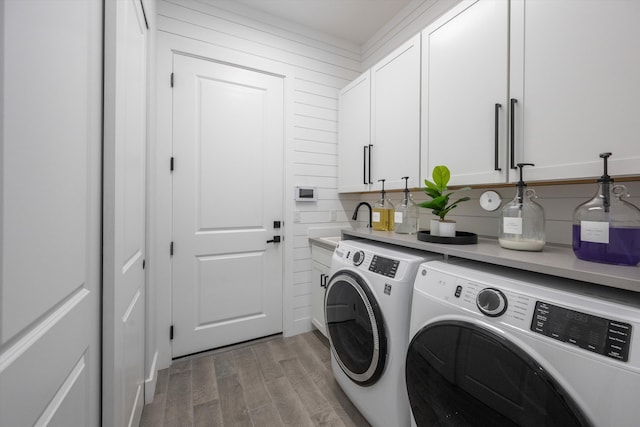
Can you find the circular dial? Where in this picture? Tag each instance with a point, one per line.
(491, 302)
(490, 201)
(358, 257)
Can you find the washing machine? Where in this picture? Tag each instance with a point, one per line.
(493, 346)
(367, 308)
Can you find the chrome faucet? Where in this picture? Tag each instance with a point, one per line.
(355, 213)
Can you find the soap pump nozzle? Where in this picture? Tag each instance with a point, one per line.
(406, 189)
(606, 180)
(521, 184)
(382, 193)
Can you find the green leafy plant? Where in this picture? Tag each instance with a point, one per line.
(437, 190)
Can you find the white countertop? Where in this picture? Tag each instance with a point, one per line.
(329, 242)
(553, 260)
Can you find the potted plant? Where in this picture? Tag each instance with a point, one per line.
(439, 203)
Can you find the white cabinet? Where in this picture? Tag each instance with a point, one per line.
(464, 93)
(321, 259)
(354, 141)
(379, 124)
(395, 117)
(575, 73)
(549, 83)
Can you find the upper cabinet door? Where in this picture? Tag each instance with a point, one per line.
(354, 126)
(575, 74)
(464, 93)
(395, 117)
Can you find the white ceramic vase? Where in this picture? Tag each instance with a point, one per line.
(434, 227)
(447, 228)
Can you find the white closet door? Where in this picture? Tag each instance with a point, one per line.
(124, 213)
(50, 169)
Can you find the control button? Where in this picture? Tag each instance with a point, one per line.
(458, 291)
(358, 257)
(491, 302)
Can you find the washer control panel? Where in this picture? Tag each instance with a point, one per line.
(385, 266)
(603, 336)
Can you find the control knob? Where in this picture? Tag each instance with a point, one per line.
(358, 257)
(491, 302)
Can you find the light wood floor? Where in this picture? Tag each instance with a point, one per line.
(274, 382)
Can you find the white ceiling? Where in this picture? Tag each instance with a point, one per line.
(355, 21)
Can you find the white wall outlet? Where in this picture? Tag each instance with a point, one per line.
(296, 217)
(333, 215)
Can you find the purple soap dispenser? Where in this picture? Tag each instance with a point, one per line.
(607, 228)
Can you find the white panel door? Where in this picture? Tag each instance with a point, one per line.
(50, 166)
(465, 93)
(227, 192)
(124, 213)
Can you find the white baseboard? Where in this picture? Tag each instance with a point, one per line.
(319, 327)
(300, 326)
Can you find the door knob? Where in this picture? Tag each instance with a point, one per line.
(276, 239)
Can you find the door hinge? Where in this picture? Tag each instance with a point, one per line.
(171, 164)
(144, 262)
(171, 79)
(171, 249)
(171, 332)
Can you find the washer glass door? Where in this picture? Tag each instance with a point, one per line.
(355, 327)
(461, 374)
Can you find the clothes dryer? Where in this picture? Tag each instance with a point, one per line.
(367, 307)
(494, 346)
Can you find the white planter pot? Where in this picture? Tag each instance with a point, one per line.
(434, 227)
(447, 228)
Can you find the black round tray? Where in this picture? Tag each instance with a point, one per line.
(462, 238)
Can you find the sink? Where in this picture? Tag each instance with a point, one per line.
(332, 239)
(329, 242)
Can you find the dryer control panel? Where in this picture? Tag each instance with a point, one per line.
(597, 334)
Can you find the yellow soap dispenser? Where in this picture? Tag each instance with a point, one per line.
(382, 216)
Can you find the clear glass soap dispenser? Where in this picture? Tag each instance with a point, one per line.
(522, 220)
(607, 228)
(382, 216)
(405, 217)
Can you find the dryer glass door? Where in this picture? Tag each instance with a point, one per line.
(355, 327)
(461, 374)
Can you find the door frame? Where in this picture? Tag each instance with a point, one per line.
(160, 218)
